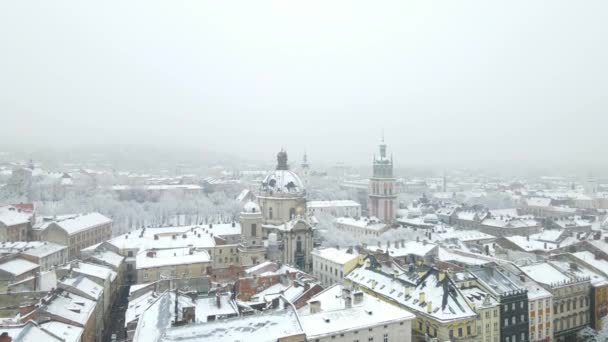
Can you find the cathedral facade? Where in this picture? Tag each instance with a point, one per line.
(280, 215)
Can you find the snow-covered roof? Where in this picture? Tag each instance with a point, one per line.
(29, 332)
(335, 317)
(479, 298)
(139, 305)
(532, 243)
(208, 306)
(580, 271)
(282, 181)
(430, 287)
(545, 273)
(18, 266)
(71, 307)
(167, 237)
(93, 270)
(67, 332)
(509, 222)
(396, 249)
(108, 257)
(329, 204)
(85, 285)
(170, 257)
(45, 249)
(449, 256)
(363, 222)
(268, 326)
(572, 222)
(12, 216)
(339, 256)
(268, 268)
(83, 222)
(538, 202)
(589, 258)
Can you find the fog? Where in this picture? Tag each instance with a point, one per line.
(449, 82)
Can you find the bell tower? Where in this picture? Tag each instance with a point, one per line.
(382, 191)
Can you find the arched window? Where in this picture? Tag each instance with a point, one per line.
(270, 213)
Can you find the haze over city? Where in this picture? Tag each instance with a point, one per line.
(463, 83)
(303, 171)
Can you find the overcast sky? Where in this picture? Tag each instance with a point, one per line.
(469, 81)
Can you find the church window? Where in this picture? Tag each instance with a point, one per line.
(292, 213)
(254, 229)
(270, 213)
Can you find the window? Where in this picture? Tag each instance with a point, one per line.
(370, 339)
(507, 339)
(506, 322)
(270, 213)
(145, 275)
(513, 306)
(487, 314)
(513, 338)
(531, 306)
(385, 339)
(521, 305)
(459, 332)
(130, 253)
(523, 337)
(254, 229)
(469, 330)
(522, 319)
(513, 320)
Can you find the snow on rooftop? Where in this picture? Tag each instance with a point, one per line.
(139, 305)
(45, 249)
(339, 256)
(109, 258)
(335, 203)
(432, 289)
(67, 332)
(170, 257)
(166, 238)
(538, 202)
(396, 250)
(83, 222)
(207, 306)
(265, 327)
(363, 222)
(85, 285)
(97, 271)
(589, 258)
(18, 266)
(449, 256)
(336, 318)
(12, 216)
(545, 273)
(71, 307)
(28, 332)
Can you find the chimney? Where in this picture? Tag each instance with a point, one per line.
(402, 243)
(174, 237)
(424, 242)
(155, 236)
(429, 307)
(407, 291)
(388, 244)
(379, 244)
(358, 297)
(210, 225)
(184, 236)
(345, 292)
(5, 338)
(522, 278)
(348, 302)
(315, 306)
(605, 238)
(218, 300)
(233, 224)
(421, 297)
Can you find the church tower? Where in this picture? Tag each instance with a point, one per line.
(305, 166)
(382, 192)
(251, 248)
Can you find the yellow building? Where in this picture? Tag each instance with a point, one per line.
(441, 309)
(330, 265)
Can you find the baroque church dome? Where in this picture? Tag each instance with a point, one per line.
(282, 180)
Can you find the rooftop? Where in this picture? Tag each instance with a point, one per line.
(79, 223)
(170, 257)
(336, 255)
(18, 266)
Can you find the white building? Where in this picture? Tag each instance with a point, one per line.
(334, 208)
(382, 202)
(330, 265)
(362, 228)
(339, 314)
